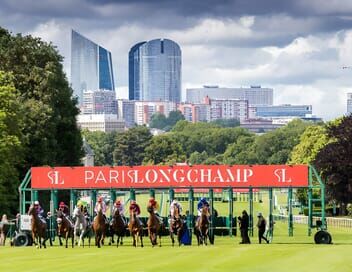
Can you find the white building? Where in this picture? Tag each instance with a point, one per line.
(228, 109)
(349, 103)
(143, 110)
(256, 95)
(98, 102)
(100, 122)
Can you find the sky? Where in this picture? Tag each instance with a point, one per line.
(296, 47)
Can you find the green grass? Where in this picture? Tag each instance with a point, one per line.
(297, 253)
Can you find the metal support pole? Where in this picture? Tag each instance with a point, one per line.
(230, 211)
(34, 195)
(310, 210)
(290, 214)
(93, 200)
(152, 193)
(191, 209)
(271, 219)
(132, 194)
(73, 200)
(171, 194)
(211, 199)
(322, 193)
(112, 200)
(251, 211)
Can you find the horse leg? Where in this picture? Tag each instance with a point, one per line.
(134, 239)
(159, 238)
(172, 237)
(141, 237)
(60, 242)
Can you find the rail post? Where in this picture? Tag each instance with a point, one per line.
(251, 211)
(230, 211)
(290, 214)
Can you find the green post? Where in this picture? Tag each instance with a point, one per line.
(271, 220)
(171, 194)
(73, 200)
(53, 201)
(251, 211)
(152, 193)
(310, 215)
(34, 195)
(191, 208)
(132, 194)
(322, 193)
(290, 214)
(112, 200)
(211, 199)
(93, 200)
(230, 211)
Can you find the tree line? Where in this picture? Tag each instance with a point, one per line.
(37, 113)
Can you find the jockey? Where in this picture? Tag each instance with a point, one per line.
(39, 210)
(202, 203)
(118, 205)
(103, 207)
(134, 207)
(152, 203)
(175, 205)
(64, 208)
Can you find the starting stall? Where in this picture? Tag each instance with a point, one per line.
(184, 183)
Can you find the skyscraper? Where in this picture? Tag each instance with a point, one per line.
(349, 103)
(91, 66)
(155, 71)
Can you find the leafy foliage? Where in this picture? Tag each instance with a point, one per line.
(11, 137)
(130, 146)
(159, 121)
(335, 162)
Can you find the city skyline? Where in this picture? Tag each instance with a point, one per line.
(91, 66)
(155, 71)
(295, 47)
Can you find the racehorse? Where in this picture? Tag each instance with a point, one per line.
(176, 226)
(99, 226)
(38, 228)
(81, 227)
(118, 227)
(154, 227)
(64, 228)
(135, 228)
(202, 226)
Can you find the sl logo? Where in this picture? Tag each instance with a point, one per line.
(281, 175)
(54, 177)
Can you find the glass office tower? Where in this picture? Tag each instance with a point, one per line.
(155, 71)
(91, 66)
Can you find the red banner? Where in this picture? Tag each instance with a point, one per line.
(197, 176)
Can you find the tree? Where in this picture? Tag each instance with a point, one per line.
(227, 122)
(311, 142)
(158, 120)
(198, 158)
(51, 136)
(240, 151)
(174, 117)
(103, 145)
(334, 162)
(164, 149)
(11, 149)
(130, 146)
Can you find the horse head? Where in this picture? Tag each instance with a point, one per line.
(31, 210)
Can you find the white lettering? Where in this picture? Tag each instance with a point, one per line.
(165, 175)
(179, 179)
(189, 177)
(232, 178)
(113, 176)
(246, 174)
(205, 174)
(88, 176)
(100, 177)
(148, 174)
(219, 177)
(281, 175)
